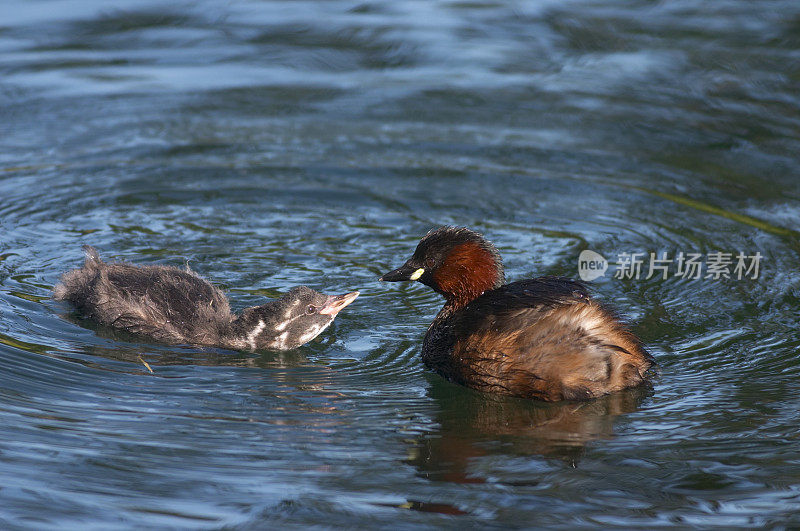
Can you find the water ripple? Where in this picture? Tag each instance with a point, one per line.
(271, 144)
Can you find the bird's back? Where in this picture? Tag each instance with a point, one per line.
(544, 338)
(165, 303)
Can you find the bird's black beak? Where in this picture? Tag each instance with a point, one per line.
(404, 272)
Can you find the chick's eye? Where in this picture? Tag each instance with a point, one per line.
(311, 309)
(429, 263)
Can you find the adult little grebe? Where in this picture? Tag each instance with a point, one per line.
(173, 306)
(542, 338)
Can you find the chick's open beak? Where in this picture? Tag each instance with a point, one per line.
(336, 303)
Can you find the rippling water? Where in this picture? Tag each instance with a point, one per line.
(271, 144)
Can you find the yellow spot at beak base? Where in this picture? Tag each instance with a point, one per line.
(416, 274)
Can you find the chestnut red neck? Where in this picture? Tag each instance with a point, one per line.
(468, 270)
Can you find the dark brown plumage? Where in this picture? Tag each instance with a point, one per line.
(543, 338)
(174, 306)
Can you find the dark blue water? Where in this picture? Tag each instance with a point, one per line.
(272, 144)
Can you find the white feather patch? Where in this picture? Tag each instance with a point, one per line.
(314, 332)
(251, 337)
(282, 340)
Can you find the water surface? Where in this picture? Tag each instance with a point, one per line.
(270, 144)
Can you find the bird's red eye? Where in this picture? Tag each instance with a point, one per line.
(311, 309)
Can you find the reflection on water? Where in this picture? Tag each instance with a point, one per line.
(272, 144)
(472, 425)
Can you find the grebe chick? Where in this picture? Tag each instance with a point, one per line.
(542, 338)
(175, 306)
